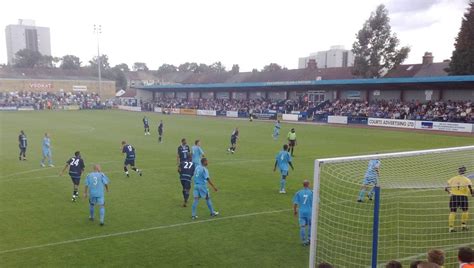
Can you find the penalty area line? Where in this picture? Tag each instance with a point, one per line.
(141, 230)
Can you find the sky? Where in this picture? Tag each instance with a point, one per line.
(251, 33)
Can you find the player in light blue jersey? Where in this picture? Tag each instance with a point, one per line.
(276, 130)
(95, 183)
(197, 153)
(47, 151)
(283, 161)
(370, 180)
(302, 207)
(201, 179)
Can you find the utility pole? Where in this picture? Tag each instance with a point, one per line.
(98, 31)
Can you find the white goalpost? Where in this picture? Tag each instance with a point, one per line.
(407, 217)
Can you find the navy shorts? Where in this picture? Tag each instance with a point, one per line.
(233, 141)
(76, 180)
(130, 162)
(186, 184)
(458, 201)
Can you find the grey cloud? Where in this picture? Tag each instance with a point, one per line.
(402, 23)
(408, 6)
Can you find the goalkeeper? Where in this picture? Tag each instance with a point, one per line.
(459, 187)
(370, 180)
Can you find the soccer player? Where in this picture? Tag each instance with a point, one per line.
(370, 180)
(186, 172)
(302, 206)
(129, 152)
(283, 160)
(183, 151)
(22, 143)
(201, 177)
(160, 132)
(291, 140)
(146, 126)
(459, 187)
(47, 151)
(233, 140)
(76, 167)
(95, 183)
(276, 130)
(198, 153)
(466, 257)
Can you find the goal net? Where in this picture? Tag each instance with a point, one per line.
(407, 217)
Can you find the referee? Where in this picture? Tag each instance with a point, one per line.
(291, 141)
(459, 187)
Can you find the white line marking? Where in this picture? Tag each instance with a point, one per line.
(217, 162)
(24, 172)
(141, 230)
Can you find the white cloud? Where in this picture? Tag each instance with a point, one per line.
(249, 33)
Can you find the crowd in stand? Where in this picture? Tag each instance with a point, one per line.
(48, 100)
(448, 111)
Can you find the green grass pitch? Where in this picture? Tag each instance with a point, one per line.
(145, 225)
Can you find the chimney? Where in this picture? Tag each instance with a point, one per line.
(312, 64)
(428, 58)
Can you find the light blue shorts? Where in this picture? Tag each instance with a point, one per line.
(305, 220)
(201, 191)
(97, 201)
(46, 152)
(284, 172)
(370, 181)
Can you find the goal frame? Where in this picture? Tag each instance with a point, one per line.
(316, 187)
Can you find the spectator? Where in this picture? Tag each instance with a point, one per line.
(324, 265)
(393, 264)
(425, 264)
(414, 264)
(466, 257)
(436, 256)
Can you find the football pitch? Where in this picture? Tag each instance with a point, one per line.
(145, 224)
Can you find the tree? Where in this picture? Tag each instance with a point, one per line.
(104, 62)
(120, 78)
(202, 68)
(26, 58)
(376, 48)
(272, 67)
(217, 67)
(70, 62)
(462, 60)
(167, 68)
(188, 67)
(123, 67)
(235, 69)
(140, 66)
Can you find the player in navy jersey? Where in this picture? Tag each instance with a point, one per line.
(233, 140)
(183, 151)
(129, 152)
(76, 167)
(160, 132)
(146, 126)
(186, 172)
(22, 143)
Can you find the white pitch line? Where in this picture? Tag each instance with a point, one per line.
(141, 230)
(23, 172)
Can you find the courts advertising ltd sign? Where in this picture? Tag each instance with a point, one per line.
(395, 123)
